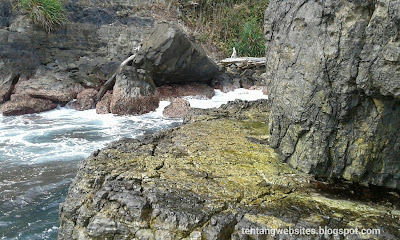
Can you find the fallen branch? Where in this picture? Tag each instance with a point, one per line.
(111, 81)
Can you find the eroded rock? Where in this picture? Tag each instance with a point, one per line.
(211, 178)
(171, 57)
(85, 100)
(103, 107)
(333, 80)
(24, 104)
(133, 93)
(50, 85)
(198, 90)
(178, 108)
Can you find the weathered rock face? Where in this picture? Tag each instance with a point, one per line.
(87, 49)
(103, 107)
(133, 93)
(85, 100)
(333, 75)
(197, 90)
(90, 46)
(240, 72)
(24, 104)
(47, 84)
(178, 108)
(170, 57)
(198, 182)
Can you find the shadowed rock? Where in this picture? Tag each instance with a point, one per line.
(170, 57)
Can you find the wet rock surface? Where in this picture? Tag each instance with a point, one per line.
(333, 79)
(85, 100)
(133, 93)
(178, 108)
(24, 104)
(210, 178)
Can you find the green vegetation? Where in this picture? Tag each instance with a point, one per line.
(46, 13)
(228, 24)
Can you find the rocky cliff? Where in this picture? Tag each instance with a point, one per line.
(333, 74)
(199, 182)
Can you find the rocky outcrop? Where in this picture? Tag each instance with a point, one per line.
(171, 57)
(24, 104)
(242, 72)
(333, 79)
(103, 106)
(133, 93)
(50, 85)
(212, 178)
(85, 100)
(198, 90)
(86, 50)
(178, 108)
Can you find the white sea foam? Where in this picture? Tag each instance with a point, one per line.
(65, 134)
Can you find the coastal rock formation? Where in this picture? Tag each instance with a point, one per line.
(103, 107)
(170, 57)
(24, 104)
(198, 90)
(88, 48)
(242, 72)
(178, 108)
(333, 75)
(133, 93)
(85, 100)
(200, 181)
(46, 84)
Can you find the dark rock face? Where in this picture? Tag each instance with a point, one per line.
(178, 108)
(133, 93)
(200, 181)
(170, 57)
(333, 76)
(24, 104)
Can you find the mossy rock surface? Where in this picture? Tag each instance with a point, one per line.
(208, 179)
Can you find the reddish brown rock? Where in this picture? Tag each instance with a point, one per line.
(192, 89)
(177, 109)
(24, 104)
(103, 107)
(263, 88)
(47, 84)
(85, 100)
(133, 94)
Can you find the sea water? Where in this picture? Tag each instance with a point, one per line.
(39, 154)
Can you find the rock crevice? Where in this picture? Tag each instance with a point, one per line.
(334, 103)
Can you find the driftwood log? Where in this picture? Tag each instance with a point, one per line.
(111, 81)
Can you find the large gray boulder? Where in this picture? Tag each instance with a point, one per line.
(171, 57)
(333, 74)
(133, 93)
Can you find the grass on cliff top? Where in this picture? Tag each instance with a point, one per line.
(227, 24)
(47, 14)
